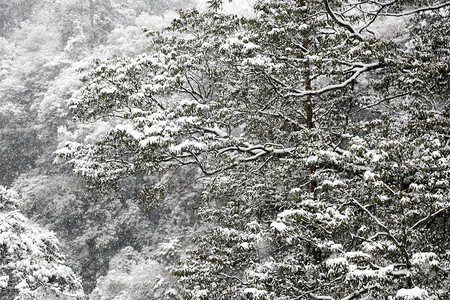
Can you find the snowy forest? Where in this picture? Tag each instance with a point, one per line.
(222, 150)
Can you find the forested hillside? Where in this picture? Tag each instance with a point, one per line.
(266, 149)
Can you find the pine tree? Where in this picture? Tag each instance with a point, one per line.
(31, 262)
(327, 165)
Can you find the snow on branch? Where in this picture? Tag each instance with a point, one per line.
(258, 150)
(377, 221)
(342, 23)
(359, 71)
(317, 297)
(417, 10)
(357, 293)
(430, 216)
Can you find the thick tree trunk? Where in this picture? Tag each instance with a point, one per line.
(309, 112)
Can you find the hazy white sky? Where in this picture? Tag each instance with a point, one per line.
(240, 7)
(243, 7)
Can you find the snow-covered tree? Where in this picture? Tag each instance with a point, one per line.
(13, 12)
(327, 162)
(137, 275)
(31, 262)
(25, 74)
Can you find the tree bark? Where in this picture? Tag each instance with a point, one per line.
(309, 111)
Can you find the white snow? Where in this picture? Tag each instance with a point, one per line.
(245, 245)
(295, 191)
(188, 145)
(128, 129)
(187, 102)
(303, 27)
(333, 184)
(436, 154)
(238, 7)
(290, 212)
(21, 285)
(159, 78)
(152, 140)
(368, 273)
(4, 281)
(414, 293)
(368, 175)
(336, 247)
(417, 187)
(108, 90)
(327, 183)
(278, 226)
(354, 254)
(200, 293)
(250, 46)
(424, 258)
(312, 160)
(313, 57)
(258, 60)
(188, 120)
(255, 292)
(374, 156)
(337, 261)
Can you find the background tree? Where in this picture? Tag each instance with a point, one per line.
(12, 13)
(140, 275)
(31, 262)
(38, 77)
(309, 121)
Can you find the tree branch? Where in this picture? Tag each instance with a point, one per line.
(357, 293)
(415, 11)
(342, 23)
(430, 216)
(397, 243)
(317, 297)
(366, 67)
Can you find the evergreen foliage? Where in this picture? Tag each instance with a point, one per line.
(316, 132)
(31, 263)
(328, 163)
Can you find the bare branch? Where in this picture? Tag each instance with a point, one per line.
(379, 102)
(217, 131)
(232, 277)
(375, 15)
(397, 243)
(415, 11)
(430, 216)
(317, 297)
(357, 293)
(279, 115)
(262, 165)
(258, 149)
(342, 23)
(355, 75)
